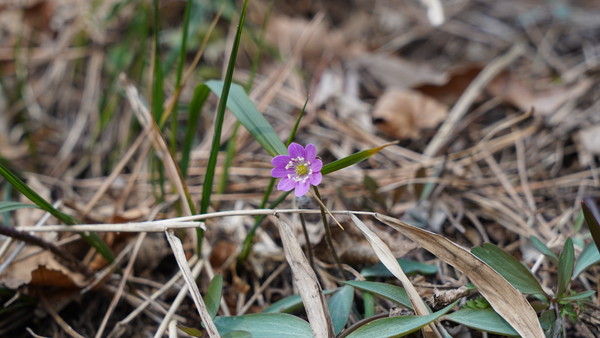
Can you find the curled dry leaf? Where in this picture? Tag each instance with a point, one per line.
(39, 269)
(503, 297)
(404, 113)
(306, 281)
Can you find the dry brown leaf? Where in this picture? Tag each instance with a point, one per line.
(39, 269)
(387, 258)
(391, 71)
(404, 113)
(306, 281)
(503, 297)
(516, 91)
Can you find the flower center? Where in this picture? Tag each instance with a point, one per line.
(301, 169)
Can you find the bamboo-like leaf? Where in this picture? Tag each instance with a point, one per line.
(265, 325)
(566, 263)
(398, 326)
(588, 257)
(502, 296)
(339, 307)
(246, 112)
(212, 298)
(509, 267)
(390, 292)
(352, 159)
(482, 319)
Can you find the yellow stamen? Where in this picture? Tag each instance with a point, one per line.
(301, 170)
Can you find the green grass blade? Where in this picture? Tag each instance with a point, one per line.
(200, 94)
(92, 239)
(212, 298)
(228, 159)
(246, 112)
(352, 159)
(214, 151)
(6, 206)
(157, 83)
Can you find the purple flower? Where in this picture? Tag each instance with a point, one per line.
(298, 170)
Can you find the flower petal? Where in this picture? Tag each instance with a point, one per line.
(281, 172)
(316, 165)
(315, 178)
(301, 189)
(280, 160)
(286, 184)
(296, 150)
(311, 152)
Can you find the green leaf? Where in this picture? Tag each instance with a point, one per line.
(289, 304)
(390, 292)
(92, 239)
(6, 206)
(483, 320)
(566, 264)
(578, 296)
(339, 307)
(190, 331)
(589, 256)
(238, 334)
(246, 112)
(398, 326)
(265, 325)
(408, 266)
(352, 159)
(212, 298)
(195, 108)
(544, 249)
(368, 304)
(509, 267)
(592, 216)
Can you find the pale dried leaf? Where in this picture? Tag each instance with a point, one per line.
(404, 113)
(503, 297)
(387, 258)
(306, 281)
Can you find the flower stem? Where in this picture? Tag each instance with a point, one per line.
(328, 237)
(309, 252)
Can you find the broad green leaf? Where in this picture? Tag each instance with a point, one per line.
(484, 320)
(246, 112)
(509, 267)
(538, 244)
(92, 239)
(352, 159)
(592, 218)
(289, 304)
(390, 292)
(578, 296)
(398, 326)
(566, 262)
(212, 298)
(339, 307)
(265, 325)
(238, 334)
(408, 266)
(6, 206)
(589, 256)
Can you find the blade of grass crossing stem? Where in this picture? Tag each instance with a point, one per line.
(195, 108)
(92, 239)
(214, 151)
(352, 159)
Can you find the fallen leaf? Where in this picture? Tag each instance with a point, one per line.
(404, 113)
(503, 297)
